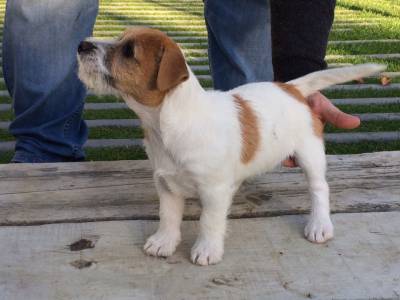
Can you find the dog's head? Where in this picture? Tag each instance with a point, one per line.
(143, 64)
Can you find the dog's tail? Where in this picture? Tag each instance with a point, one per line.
(322, 79)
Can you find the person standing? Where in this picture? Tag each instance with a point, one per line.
(40, 71)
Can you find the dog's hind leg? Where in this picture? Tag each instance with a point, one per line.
(311, 157)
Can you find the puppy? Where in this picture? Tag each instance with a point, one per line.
(206, 143)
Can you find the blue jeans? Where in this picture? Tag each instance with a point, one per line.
(40, 70)
(239, 41)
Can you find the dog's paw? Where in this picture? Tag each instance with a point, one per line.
(319, 229)
(205, 252)
(161, 244)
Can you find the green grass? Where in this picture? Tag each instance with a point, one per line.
(383, 12)
(366, 93)
(96, 133)
(183, 27)
(193, 53)
(5, 136)
(378, 80)
(6, 116)
(5, 157)
(367, 48)
(176, 34)
(109, 114)
(371, 108)
(370, 126)
(201, 72)
(89, 99)
(149, 21)
(4, 100)
(362, 147)
(387, 8)
(103, 99)
(359, 33)
(120, 153)
(88, 114)
(387, 28)
(141, 18)
(116, 133)
(393, 64)
(205, 83)
(198, 63)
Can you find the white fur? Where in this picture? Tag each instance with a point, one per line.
(194, 144)
(197, 151)
(317, 81)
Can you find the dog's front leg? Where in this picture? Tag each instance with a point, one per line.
(209, 246)
(164, 242)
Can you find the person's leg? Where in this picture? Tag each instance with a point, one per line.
(239, 41)
(40, 70)
(300, 31)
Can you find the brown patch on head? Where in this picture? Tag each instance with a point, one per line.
(145, 64)
(318, 125)
(249, 128)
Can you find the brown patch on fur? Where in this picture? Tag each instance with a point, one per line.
(156, 65)
(249, 127)
(318, 125)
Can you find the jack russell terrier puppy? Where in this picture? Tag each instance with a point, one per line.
(206, 143)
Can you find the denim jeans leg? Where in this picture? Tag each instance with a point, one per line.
(40, 70)
(239, 41)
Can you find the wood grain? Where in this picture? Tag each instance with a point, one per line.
(265, 258)
(96, 191)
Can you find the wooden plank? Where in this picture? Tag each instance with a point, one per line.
(265, 258)
(94, 191)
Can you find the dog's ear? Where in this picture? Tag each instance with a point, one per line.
(172, 70)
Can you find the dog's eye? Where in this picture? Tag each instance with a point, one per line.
(127, 50)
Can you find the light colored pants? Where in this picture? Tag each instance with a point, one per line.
(40, 70)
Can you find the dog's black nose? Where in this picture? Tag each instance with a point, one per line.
(85, 47)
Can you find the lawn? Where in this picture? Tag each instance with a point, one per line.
(376, 21)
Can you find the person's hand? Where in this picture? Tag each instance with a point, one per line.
(328, 113)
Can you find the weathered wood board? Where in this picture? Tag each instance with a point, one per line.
(99, 191)
(265, 258)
